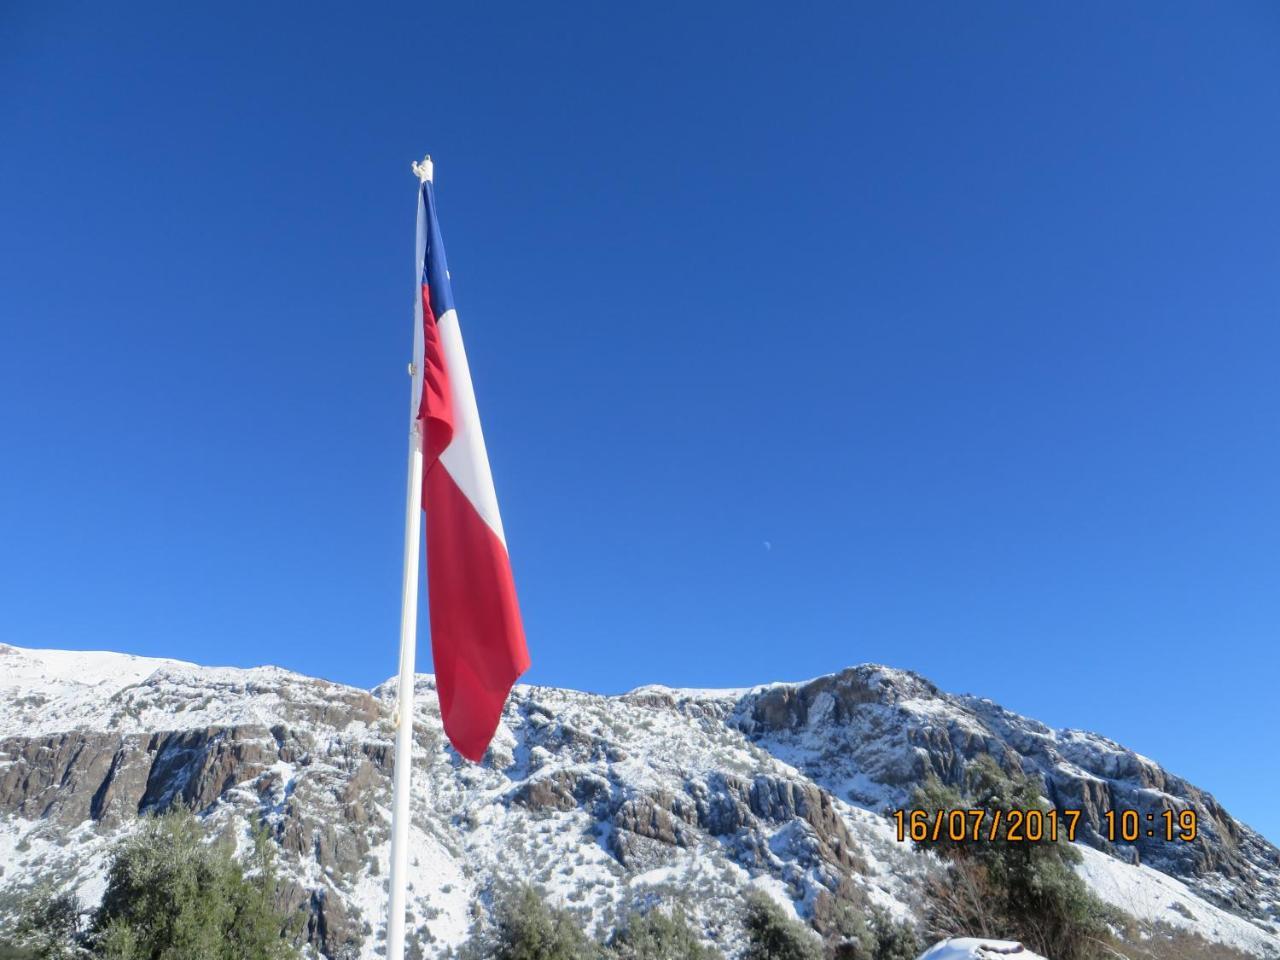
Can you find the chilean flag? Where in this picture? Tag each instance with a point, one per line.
(477, 640)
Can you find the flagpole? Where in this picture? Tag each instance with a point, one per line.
(404, 690)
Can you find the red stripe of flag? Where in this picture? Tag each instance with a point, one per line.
(477, 638)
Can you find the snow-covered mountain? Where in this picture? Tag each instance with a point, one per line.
(604, 801)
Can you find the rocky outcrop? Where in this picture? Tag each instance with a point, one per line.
(872, 735)
(80, 778)
(59, 777)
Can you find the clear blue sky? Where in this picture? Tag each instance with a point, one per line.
(941, 335)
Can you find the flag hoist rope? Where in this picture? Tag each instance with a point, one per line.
(408, 642)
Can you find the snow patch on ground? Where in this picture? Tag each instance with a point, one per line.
(1157, 897)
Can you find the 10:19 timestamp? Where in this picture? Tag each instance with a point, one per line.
(1129, 826)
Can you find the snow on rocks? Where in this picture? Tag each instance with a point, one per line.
(605, 802)
(966, 948)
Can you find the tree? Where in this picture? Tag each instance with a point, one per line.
(997, 887)
(169, 896)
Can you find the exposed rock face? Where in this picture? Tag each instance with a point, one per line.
(870, 735)
(604, 801)
(57, 777)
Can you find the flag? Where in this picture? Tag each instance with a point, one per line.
(477, 639)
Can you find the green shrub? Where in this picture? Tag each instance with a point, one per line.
(772, 935)
(659, 935)
(525, 927)
(47, 929)
(893, 940)
(859, 932)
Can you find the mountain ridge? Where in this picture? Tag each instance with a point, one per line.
(605, 800)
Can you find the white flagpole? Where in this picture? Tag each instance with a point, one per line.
(408, 643)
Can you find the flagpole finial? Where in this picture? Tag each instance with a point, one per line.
(425, 169)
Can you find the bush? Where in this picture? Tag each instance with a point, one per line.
(659, 935)
(526, 928)
(852, 932)
(47, 929)
(843, 925)
(169, 896)
(772, 935)
(999, 888)
(893, 940)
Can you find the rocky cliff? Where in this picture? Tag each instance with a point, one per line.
(604, 801)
